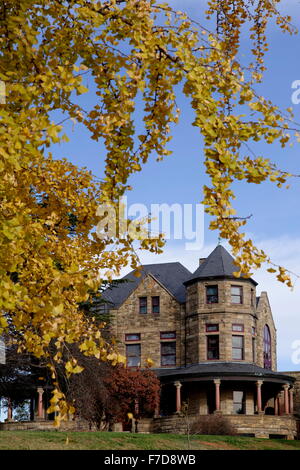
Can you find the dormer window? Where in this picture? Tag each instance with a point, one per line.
(212, 295)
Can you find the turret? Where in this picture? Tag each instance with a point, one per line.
(222, 319)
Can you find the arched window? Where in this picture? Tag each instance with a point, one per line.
(267, 348)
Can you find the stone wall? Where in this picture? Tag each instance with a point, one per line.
(264, 317)
(258, 425)
(127, 319)
(189, 322)
(224, 313)
(43, 425)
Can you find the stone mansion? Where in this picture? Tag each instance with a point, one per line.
(213, 343)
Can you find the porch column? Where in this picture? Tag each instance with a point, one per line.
(291, 392)
(178, 386)
(40, 410)
(276, 406)
(217, 383)
(258, 395)
(286, 399)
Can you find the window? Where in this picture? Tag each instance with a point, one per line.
(267, 348)
(236, 295)
(238, 402)
(167, 334)
(212, 294)
(155, 304)
(238, 347)
(252, 298)
(133, 355)
(213, 347)
(253, 349)
(132, 337)
(168, 353)
(143, 305)
(211, 327)
(253, 329)
(238, 327)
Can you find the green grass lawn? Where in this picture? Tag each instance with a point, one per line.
(56, 440)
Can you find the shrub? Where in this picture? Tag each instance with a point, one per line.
(215, 424)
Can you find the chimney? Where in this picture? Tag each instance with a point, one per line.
(201, 260)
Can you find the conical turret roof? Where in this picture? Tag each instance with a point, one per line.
(218, 264)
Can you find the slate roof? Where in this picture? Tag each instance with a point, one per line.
(174, 276)
(218, 264)
(222, 369)
(170, 275)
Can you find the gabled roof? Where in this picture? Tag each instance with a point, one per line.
(219, 264)
(170, 275)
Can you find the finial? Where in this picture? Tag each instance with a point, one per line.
(219, 240)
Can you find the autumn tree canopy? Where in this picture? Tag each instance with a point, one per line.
(104, 395)
(135, 52)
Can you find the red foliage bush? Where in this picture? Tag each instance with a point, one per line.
(133, 391)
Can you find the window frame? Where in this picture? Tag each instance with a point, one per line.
(234, 348)
(209, 348)
(254, 353)
(132, 340)
(240, 295)
(164, 344)
(241, 403)
(153, 306)
(211, 325)
(171, 338)
(267, 347)
(208, 296)
(143, 306)
(130, 345)
(234, 325)
(252, 298)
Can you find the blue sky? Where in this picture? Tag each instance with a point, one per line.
(179, 178)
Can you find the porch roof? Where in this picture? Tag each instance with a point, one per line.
(222, 370)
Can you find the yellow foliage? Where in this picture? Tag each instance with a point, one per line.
(49, 261)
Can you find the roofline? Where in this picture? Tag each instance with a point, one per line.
(182, 374)
(140, 279)
(211, 278)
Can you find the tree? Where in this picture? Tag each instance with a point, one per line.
(134, 391)
(103, 395)
(133, 51)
